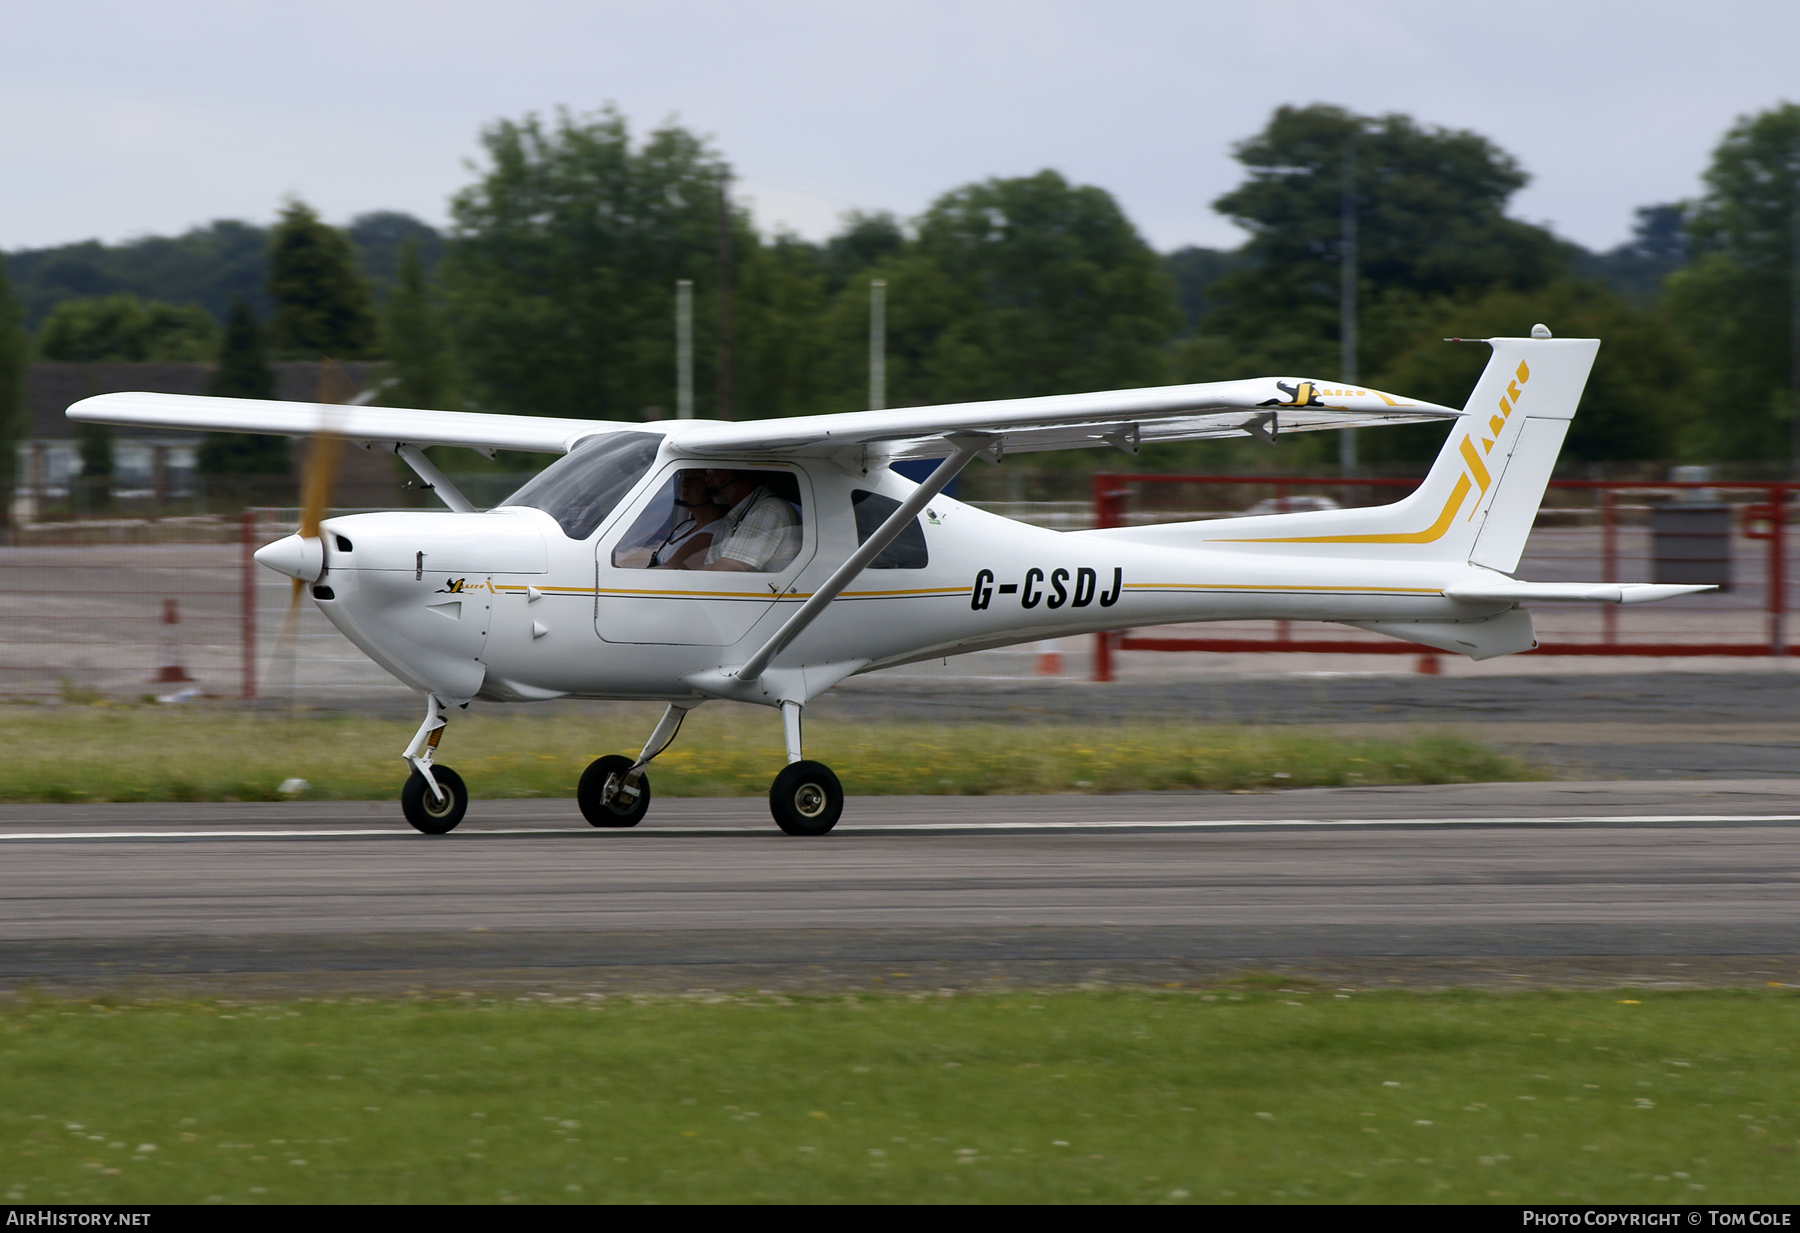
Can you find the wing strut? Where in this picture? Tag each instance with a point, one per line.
(434, 479)
(967, 447)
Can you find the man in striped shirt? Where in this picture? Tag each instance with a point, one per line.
(760, 532)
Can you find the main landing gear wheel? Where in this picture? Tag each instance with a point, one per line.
(807, 799)
(425, 811)
(604, 797)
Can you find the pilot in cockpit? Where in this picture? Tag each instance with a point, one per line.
(685, 530)
(717, 519)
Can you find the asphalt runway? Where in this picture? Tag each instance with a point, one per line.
(1488, 884)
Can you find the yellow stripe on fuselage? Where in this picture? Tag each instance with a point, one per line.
(1430, 534)
(1278, 588)
(961, 592)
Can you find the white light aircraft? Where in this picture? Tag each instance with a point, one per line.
(767, 561)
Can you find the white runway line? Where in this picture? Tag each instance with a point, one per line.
(920, 828)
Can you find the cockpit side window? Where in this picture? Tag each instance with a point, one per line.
(679, 521)
(907, 551)
(717, 519)
(581, 489)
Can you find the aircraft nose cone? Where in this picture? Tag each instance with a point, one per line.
(297, 558)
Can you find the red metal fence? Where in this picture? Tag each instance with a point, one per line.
(128, 607)
(1587, 530)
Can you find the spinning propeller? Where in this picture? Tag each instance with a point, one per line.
(324, 455)
(302, 556)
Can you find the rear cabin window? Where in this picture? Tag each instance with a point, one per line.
(582, 488)
(907, 551)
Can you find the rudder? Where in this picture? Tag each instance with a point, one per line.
(1538, 383)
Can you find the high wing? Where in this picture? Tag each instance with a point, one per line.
(370, 424)
(1261, 407)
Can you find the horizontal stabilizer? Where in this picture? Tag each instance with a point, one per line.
(1507, 590)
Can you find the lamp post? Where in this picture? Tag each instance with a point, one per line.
(877, 344)
(684, 349)
(1347, 300)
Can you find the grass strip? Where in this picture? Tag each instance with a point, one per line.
(1236, 1094)
(122, 753)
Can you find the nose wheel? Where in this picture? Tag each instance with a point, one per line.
(429, 813)
(807, 799)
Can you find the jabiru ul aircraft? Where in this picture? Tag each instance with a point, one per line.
(767, 561)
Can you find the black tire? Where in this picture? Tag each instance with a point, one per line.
(806, 799)
(424, 811)
(591, 793)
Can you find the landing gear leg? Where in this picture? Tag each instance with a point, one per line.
(434, 798)
(806, 798)
(614, 791)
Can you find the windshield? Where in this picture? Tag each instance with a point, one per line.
(581, 489)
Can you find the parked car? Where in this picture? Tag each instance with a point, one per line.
(1304, 503)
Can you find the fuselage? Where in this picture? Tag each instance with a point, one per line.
(508, 605)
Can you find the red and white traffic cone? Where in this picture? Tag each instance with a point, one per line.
(1428, 664)
(1049, 659)
(171, 671)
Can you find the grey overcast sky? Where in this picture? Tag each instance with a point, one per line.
(120, 118)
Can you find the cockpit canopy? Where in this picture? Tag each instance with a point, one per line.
(580, 489)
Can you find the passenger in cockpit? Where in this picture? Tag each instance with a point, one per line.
(760, 533)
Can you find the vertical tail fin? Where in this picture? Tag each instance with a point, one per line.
(1482, 494)
(1510, 434)
(1480, 498)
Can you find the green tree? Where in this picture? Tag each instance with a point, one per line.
(125, 329)
(1637, 399)
(866, 239)
(208, 266)
(1430, 226)
(322, 304)
(243, 372)
(96, 445)
(1014, 288)
(782, 360)
(413, 338)
(381, 239)
(1737, 299)
(561, 267)
(1195, 270)
(1638, 268)
(15, 349)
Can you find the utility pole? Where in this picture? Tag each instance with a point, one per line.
(1347, 301)
(684, 348)
(877, 344)
(724, 411)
